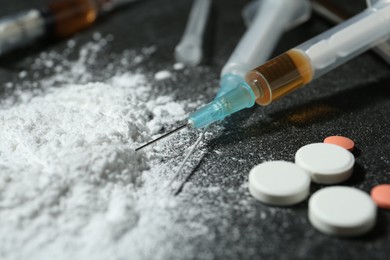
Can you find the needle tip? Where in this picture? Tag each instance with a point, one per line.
(161, 137)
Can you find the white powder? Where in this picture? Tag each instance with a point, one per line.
(162, 74)
(178, 66)
(22, 74)
(71, 184)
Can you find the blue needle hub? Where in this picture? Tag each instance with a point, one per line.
(225, 104)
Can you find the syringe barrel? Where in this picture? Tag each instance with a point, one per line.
(256, 45)
(321, 54)
(280, 76)
(349, 39)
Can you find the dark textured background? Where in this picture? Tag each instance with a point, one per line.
(353, 100)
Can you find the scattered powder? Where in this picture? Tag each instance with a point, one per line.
(149, 50)
(22, 74)
(71, 43)
(72, 187)
(178, 66)
(97, 36)
(9, 85)
(71, 184)
(162, 74)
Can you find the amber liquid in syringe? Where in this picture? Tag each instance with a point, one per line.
(280, 76)
(71, 16)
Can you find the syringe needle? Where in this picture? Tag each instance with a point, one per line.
(161, 137)
(185, 161)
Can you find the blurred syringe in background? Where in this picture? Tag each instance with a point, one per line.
(57, 19)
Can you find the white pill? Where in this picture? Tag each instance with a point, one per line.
(342, 211)
(279, 183)
(326, 163)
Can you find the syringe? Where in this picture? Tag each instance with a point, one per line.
(59, 19)
(301, 65)
(298, 66)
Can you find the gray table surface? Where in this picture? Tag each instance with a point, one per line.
(358, 94)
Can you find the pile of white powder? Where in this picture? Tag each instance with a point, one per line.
(71, 184)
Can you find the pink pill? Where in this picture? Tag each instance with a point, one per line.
(381, 195)
(341, 141)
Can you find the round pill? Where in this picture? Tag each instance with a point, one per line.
(279, 183)
(342, 211)
(342, 141)
(326, 163)
(381, 195)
